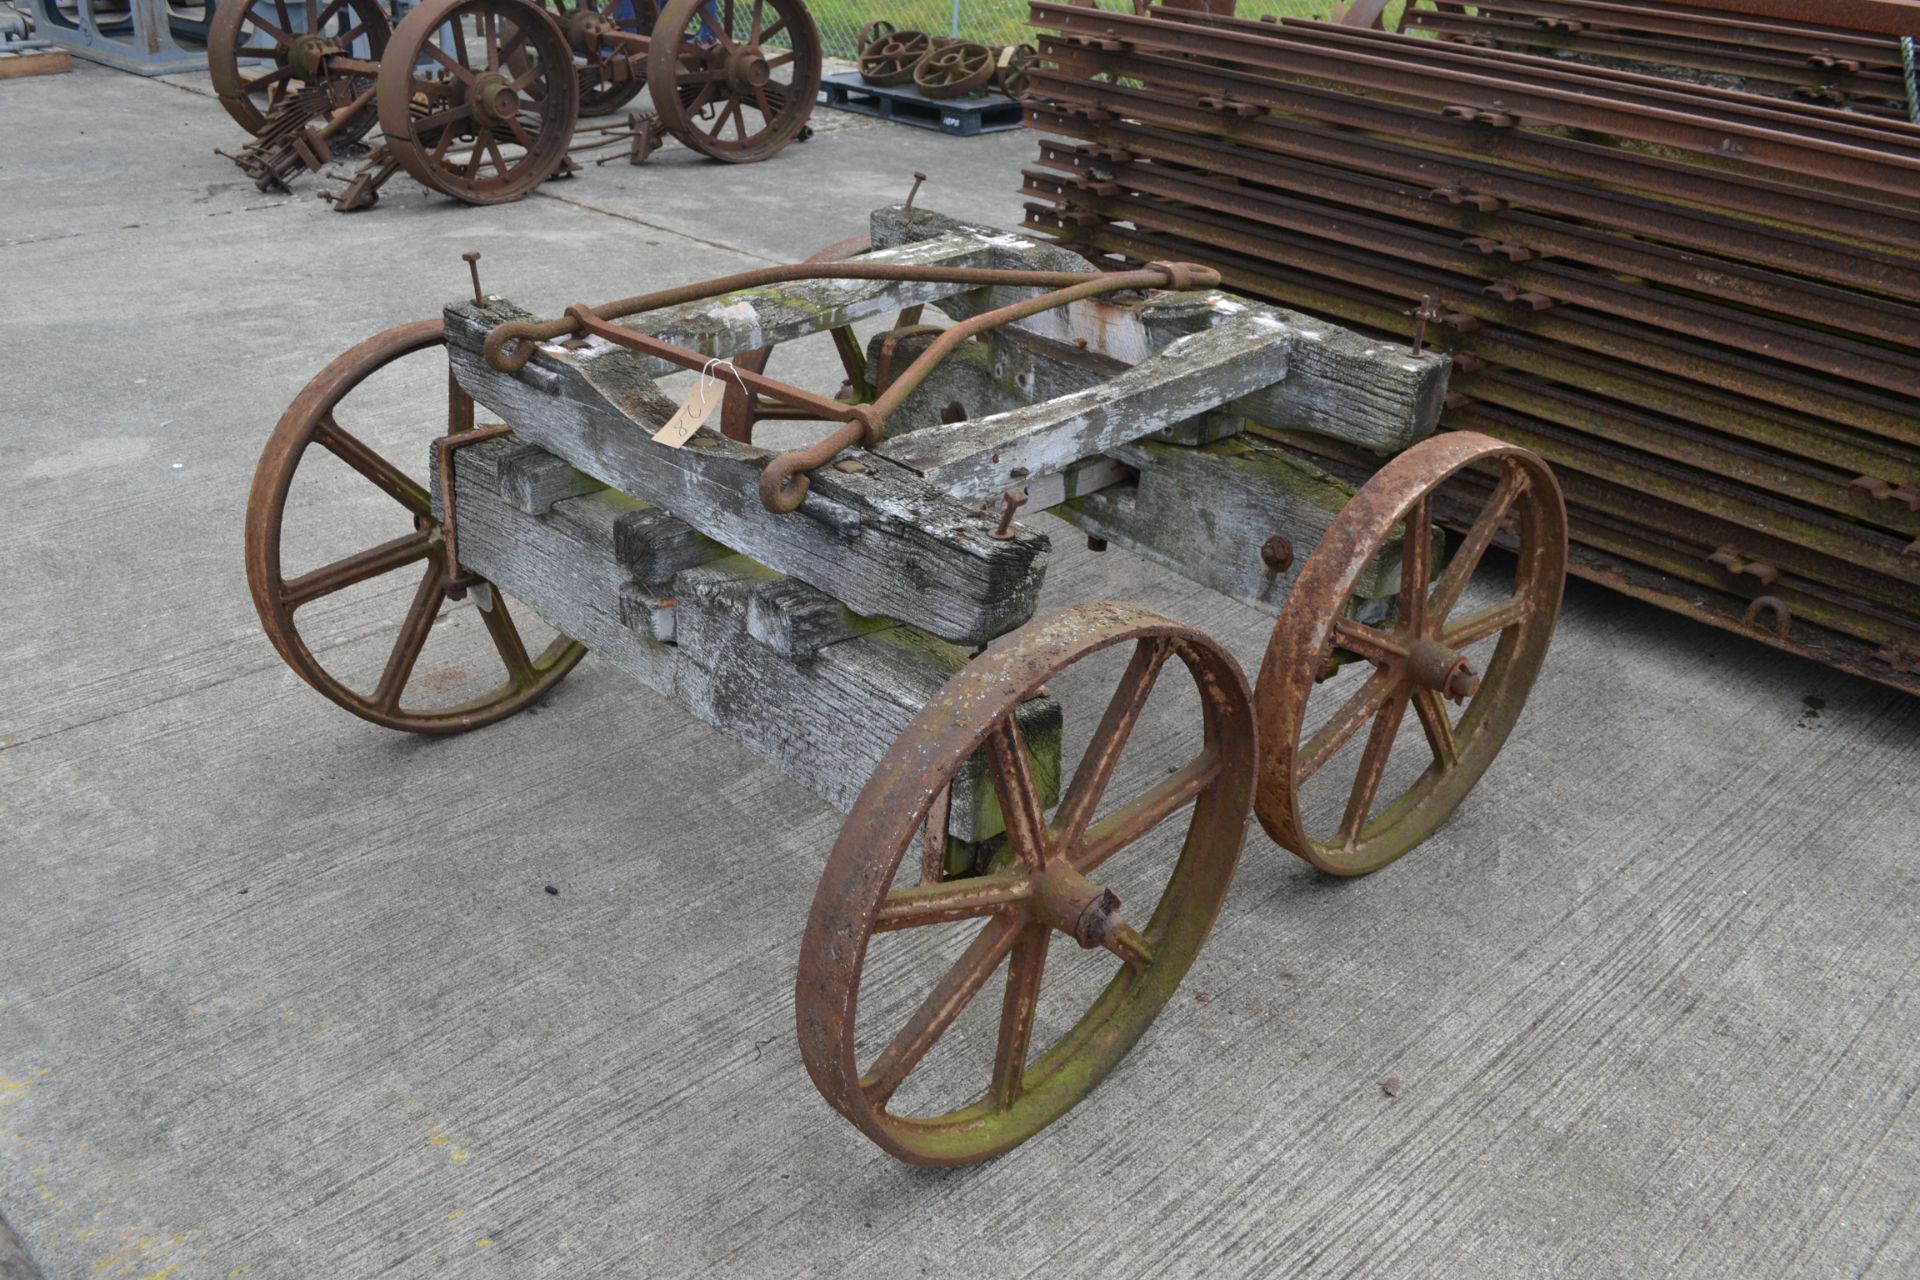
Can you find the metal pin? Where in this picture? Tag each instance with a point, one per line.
(473, 265)
(918, 178)
(1423, 313)
(1011, 501)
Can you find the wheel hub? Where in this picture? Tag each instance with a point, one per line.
(494, 99)
(584, 29)
(1433, 665)
(747, 70)
(1075, 905)
(307, 56)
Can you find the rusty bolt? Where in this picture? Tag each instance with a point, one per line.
(473, 265)
(1278, 554)
(1011, 501)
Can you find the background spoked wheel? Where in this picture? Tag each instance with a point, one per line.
(1444, 679)
(735, 79)
(1053, 876)
(954, 70)
(478, 98)
(581, 20)
(261, 52)
(889, 58)
(367, 533)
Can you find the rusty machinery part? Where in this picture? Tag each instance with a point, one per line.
(889, 61)
(1048, 882)
(584, 21)
(260, 52)
(478, 98)
(872, 31)
(746, 74)
(1417, 661)
(1010, 69)
(742, 408)
(954, 70)
(783, 481)
(315, 418)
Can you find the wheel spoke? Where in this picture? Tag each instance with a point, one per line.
(321, 19)
(1438, 726)
(767, 112)
(358, 567)
(506, 639)
(753, 35)
(1095, 774)
(442, 119)
(1146, 811)
(276, 76)
(1416, 565)
(490, 28)
(451, 63)
(968, 899)
(1017, 1012)
(1485, 622)
(1373, 765)
(520, 134)
(1371, 643)
(933, 839)
(955, 990)
(507, 51)
(1343, 724)
(1480, 535)
(277, 34)
(778, 60)
(413, 638)
(1019, 798)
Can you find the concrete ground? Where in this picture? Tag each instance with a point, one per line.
(283, 994)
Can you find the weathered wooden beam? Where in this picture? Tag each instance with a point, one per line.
(878, 538)
(1368, 392)
(1205, 513)
(1190, 376)
(823, 701)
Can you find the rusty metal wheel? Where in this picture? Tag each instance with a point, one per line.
(404, 507)
(285, 46)
(954, 70)
(745, 74)
(1052, 877)
(1425, 658)
(583, 21)
(872, 31)
(1010, 69)
(478, 98)
(890, 59)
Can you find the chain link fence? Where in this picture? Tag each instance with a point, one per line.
(993, 22)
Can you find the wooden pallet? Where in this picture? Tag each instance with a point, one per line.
(960, 117)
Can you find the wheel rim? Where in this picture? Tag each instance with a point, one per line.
(579, 19)
(742, 74)
(891, 58)
(478, 98)
(314, 419)
(1046, 886)
(281, 40)
(954, 70)
(1416, 664)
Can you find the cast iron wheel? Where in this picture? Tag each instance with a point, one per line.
(314, 419)
(891, 58)
(1418, 659)
(727, 61)
(478, 98)
(291, 39)
(1042, 885)
(583, 20)
(954, 70)
(1010, 70)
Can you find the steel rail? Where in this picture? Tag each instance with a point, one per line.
(1869, 167)
(1151, 124)
(1168, 171)
(1804, 39)
(1546, 284)
(1873, 220)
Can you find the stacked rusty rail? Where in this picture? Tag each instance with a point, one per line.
(1810, 60)
(1702, 306)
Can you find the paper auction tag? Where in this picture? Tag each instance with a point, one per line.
(693, 411)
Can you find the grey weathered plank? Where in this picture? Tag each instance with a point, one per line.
(879, 539)
(1204, 512)
(1367, 392)
(818, 691)
(1187, 378)
(532, 480)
